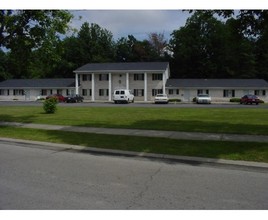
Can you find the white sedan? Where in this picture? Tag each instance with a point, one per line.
(203, 98)
(161, 98)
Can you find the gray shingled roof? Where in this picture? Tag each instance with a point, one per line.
(216, 83)
(38, 83)
(129, 66)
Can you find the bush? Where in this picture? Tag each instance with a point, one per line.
(194, 99)
(50, 105)
(174, 100)
(235, 100)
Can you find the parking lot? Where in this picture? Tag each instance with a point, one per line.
(136, 104)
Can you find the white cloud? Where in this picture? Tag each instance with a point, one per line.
(136, 22)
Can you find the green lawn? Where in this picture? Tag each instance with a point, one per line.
(239, 121)
(212, 149)
(218, 120)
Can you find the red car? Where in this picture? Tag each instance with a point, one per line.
(250, 99)
(59, 97)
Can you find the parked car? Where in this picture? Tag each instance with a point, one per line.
(123, 95)
(161, 98)
(203, 98)
(250, 99)
(59, 97)
(74, 98)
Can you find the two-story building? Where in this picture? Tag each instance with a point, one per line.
(98, 80)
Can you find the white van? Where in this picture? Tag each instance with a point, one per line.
(123, 95)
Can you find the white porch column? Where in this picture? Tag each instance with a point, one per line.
(93, 87)
(127, 81)
(110, 87)
(145, 87)
(76, 84)
(164, 83)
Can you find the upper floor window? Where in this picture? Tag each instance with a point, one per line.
(158, 76)
(104, 77)
(86, 77)
(139, 76)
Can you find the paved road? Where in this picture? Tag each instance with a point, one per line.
(37, 177)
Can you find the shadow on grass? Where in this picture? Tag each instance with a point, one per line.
(189, 126)
(21, 119)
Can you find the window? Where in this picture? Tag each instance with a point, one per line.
(84, 92)
(157, 91)
(202, 91)
(228, 93)
(86, 77)
(170, 91)
(139, 77)
(2, 92)
(103, 92)
(104, 77)
(260, 92)
(138, 92)
(157, 76)
(59, 91)
(177, 91)
(18, 92)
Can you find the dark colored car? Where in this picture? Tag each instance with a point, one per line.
(250, 99)
(59, 97)
(74, 98)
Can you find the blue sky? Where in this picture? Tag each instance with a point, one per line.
(138, 23)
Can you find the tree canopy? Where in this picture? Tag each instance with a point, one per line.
(212, 44)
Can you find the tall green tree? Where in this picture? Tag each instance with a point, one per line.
(95, 43)
(208, 48)
(24, 31)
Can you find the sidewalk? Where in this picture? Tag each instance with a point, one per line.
(244, 165)
(145, 133)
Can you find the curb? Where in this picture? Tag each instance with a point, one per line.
(195, 161)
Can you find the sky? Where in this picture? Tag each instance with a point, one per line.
(138, 23)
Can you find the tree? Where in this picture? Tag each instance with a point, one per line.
(158, 42)
(208, 48)
(24, 32)
(95, 44)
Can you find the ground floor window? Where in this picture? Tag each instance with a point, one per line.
(103, 92)
(157, 91)
(229, 93)
(18, 92)
(45, 92)
(138, 92)
(202, 91)
(86, 92)
(260, 92)
(2, 92)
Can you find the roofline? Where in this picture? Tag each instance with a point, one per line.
(119, 71)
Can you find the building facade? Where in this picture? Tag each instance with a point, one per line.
(220, 90)
(98, 80)
(33, 89)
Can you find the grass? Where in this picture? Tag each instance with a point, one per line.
(212, 149)
(216, 120)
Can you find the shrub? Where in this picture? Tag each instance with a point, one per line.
(174, 100)
(194, 99)
(50, 105)
(235, 100)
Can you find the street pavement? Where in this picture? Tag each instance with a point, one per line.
(39, 176)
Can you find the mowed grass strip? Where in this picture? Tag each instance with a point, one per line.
(215, 120)
(257, 152)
